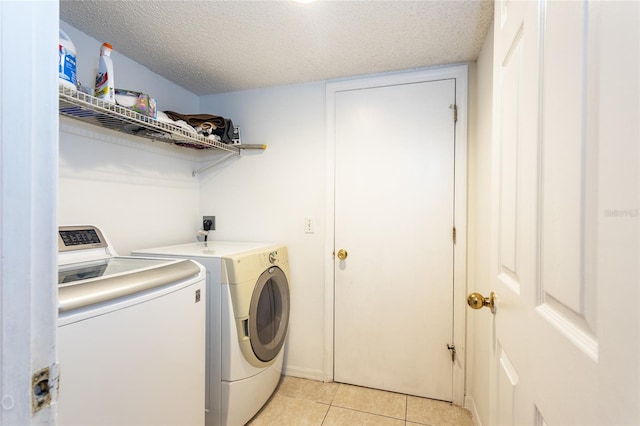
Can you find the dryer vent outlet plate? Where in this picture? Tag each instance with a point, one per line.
(213, 221)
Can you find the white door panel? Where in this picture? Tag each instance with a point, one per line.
(565, 213)
(394, 209)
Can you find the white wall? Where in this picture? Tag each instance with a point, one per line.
(266, 196)
(479, 196)
(141, 193)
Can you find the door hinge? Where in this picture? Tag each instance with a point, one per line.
(452, 349)
(454, 235)
(454, 107)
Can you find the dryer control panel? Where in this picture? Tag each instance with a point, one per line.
(272, 258)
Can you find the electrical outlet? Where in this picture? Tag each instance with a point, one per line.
(309, 225)
(213, 221)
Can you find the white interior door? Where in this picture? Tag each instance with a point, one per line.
(394, 212)
(565, 219)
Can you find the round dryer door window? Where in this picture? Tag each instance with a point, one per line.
(269, 314)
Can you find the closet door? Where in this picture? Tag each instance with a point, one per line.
(394, 212)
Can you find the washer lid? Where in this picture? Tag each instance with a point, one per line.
(75, 272)
(90, 283)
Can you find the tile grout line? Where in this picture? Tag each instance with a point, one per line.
(406, 408)
(330, 405)
(364, 412)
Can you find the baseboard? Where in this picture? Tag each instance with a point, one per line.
(304, 373)
(470, 405)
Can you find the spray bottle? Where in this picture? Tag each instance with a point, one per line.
(105, 87)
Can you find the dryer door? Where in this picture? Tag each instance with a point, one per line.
(269, 314)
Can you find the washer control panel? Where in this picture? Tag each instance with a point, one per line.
(79, 238)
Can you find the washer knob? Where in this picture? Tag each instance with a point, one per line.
(273, 257)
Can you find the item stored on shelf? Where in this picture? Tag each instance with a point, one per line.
(66, 61)
(235, 137)
(216, 125)
(138, 102)
(146, 106)
(126, 98)
(105, 87)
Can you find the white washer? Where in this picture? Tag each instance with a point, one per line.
(247, 323)
(131, 336)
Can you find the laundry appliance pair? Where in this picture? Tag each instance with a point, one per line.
(247, 322)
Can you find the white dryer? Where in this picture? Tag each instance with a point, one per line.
(248, 317)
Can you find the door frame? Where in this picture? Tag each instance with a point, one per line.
(460, 74)
(28, 218)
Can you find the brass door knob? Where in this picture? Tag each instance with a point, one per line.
(342, 254)
(478, 301)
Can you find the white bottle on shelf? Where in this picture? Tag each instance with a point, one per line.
(66, 61)
(105, 87)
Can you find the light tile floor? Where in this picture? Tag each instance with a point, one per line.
(307, 402)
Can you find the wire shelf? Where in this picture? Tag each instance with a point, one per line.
(92, 110)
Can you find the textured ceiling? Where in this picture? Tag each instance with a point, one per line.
(221, 46)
